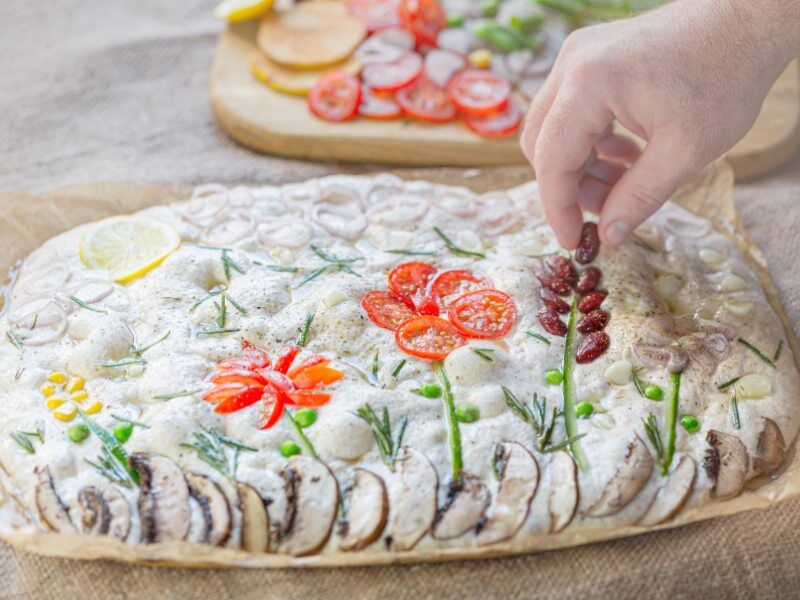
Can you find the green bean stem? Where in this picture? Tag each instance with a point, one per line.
(453, 432)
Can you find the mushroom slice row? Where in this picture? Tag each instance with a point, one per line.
(626, 482)
(214, 507)
(518, 477)
(672, 496)
(312, 503)
(412, 495)
(464, 510)
(103, 512)
(367, 513)
(52, 510)
(163, 498)
(255, 519)
(770, 450)
(726, 463)
(562, 503)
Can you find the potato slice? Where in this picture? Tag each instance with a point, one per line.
(311, 34)
(294, 81)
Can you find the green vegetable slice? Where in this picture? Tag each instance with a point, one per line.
(568, 388)
(453, 431)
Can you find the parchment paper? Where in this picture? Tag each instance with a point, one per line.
(30, 220)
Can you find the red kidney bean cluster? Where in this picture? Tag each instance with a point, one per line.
(559, 278)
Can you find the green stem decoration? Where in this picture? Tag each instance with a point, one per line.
(671, 421)
(453, 432)
(568, 388)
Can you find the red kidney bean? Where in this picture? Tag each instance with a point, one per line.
(588, 280)
(552, 300)
(550, 321)
(596, 320)
(592, 346)
(589, 245)
(561, 267)
(591, 301)
(558, 285)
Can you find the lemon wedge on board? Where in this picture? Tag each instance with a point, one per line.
(128, 246)
(236, 11)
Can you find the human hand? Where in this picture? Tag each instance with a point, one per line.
(688, 78)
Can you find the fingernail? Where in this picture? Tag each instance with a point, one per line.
(617, 232)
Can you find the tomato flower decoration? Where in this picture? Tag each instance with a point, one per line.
(241, 382)
(416, 298)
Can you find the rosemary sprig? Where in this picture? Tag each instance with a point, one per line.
(453, 431)
(334, 263)
(86, 305)
(398, 367)
(539, 337)
(176, 395)
(277, 268)
(729, 383)
(222, 313)
(210, 446)
(311, 275)
(302, 337)
(757, 352)
(412, 252)
(109, 467)
(228, 263)
(454, 248)
(131, 421)
(218, 331)
(212, 294)
(637, 383)
(375, 365)
(126, 362)
(368, 376)
(115, 460)
(305, 443)
(735, 412)
(14, 339)
(138, 351)
(665, 447)
(537, 419)
(382, 431)
(654, 435)
(484, 353)
(23, 438)
(777, 354)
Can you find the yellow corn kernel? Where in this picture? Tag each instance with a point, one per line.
(480, 58)
(80, 395)
(75, 383)
(93, 408)
(48, 389)
(66, 412)
(53, 402)
(58, 377)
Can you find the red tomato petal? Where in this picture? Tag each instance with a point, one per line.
(248, 378)
(487, 314)
(308, 399)
(271, 409)
(254, 354)
(316, 376)
(223, 391)
(285, 360)
(386, 310)
(307, 362)
(243, 399)
(428, 337)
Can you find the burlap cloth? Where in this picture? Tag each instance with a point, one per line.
(118, 90)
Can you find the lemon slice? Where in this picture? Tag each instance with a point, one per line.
(236, 11)
(128, 246)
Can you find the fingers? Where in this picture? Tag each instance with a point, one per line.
(538, 110)
(600, 176)
(641, 191)
(618, 147)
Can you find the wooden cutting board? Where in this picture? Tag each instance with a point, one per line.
(275, 123)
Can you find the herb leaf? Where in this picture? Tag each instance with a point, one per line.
(115, 459)
(210, 447)
(484, 353)
(757, 352)
(453, 431)
(398, 367)
(382, 431)
(539, 337)
(86, 305)
(14, 339)
(454, 248)
(735, 412)
(729, 383)
(305, 443)
(302, 337)
(176, 395)
(412, 252)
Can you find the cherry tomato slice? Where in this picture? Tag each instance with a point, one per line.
(424, 18)
(375, 14)
(316, 376)
(386, 310)
(285, 360)
(308, 399)
(335, 96)
(257, 356)
(451, 284)
(308, 362)
(428, 337)
(503, 123)
(221, 392)
(238, 376)
(410, 280)
(486, 314)
(272, 405)
(375, 105)
(238, 401)
(426, 101)
(390, 76)
(478, 92)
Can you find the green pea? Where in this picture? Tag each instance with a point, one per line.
(289, 448)
(690, 423)
(123, 431)
(554, 377)
(305, 417)
(653, 392)
(455, 20)
(584, 410)
(467, 413)
(431, 390)
(78, 432)
(489, 8)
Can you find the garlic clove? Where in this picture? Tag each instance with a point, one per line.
(738, 307)
(619, 373)
(753, 386)
(732, 283)
(711, 257)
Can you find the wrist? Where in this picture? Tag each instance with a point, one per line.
(774, 24)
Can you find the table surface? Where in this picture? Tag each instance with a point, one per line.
(119, 91)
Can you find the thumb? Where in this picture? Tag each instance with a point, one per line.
(663, 166)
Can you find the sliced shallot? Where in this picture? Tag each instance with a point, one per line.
(457, 202)
(41, 310)
(288, 232)
(399, 209)
(205, 203)
(339, 213)
(229, 228)
(497, 215)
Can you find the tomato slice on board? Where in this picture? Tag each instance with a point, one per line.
(451, 284)
(424, 18)
(390, 76)
(238, 401)
(375, 14)
(285, 360)
(426, 101)
(271, 408)
(316, 376)
(386, 310)
(375, 105)
(335, 96)
(428, 337)
(488, 314)
(410, 280)
(478, 92)
(308, 399)
(500, 124)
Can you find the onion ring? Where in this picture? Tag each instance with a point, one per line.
(205, 203)
(47, 337)
(459, 202)
(279, 232)
(339, 212)
(34, 311)
(229, 228)
(498, 217)
(399, 209)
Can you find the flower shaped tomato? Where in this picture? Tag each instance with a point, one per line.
(416, 297)
(252, 377)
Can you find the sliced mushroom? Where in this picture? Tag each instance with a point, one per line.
(412, 499)
(464, 510)
(518, 477)
(316, 500)
(673, 493)
(255, 519)
(216, 510)
(93, 516)
(564, 494)
(120, 514)
(771, 449)
(726, 463)
(163, 498)
(368, 511)
(52, 510)
(626, 482)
